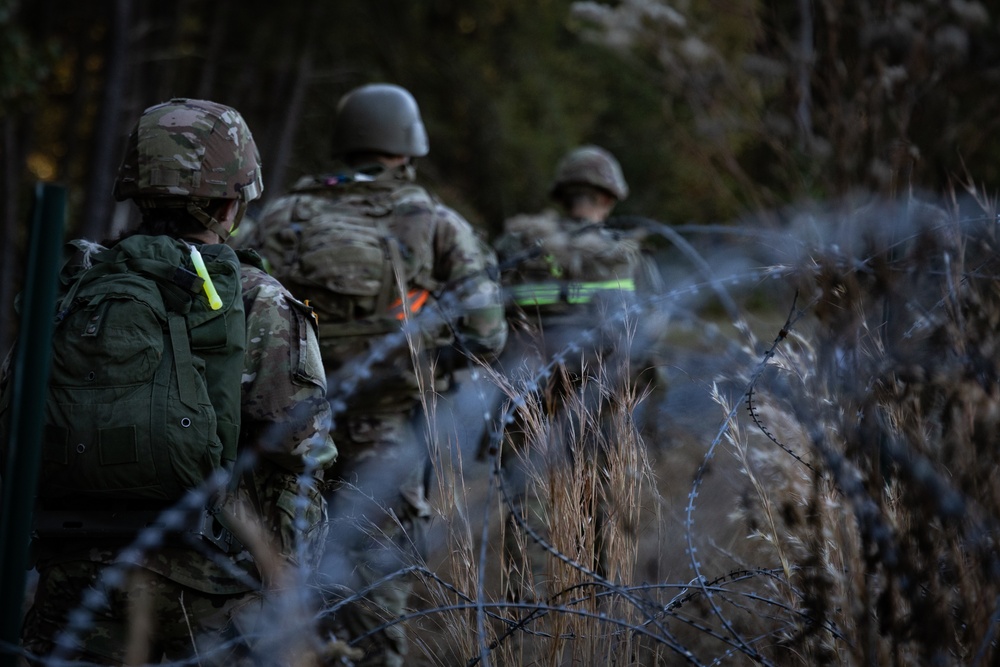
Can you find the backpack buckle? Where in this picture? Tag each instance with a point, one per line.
(209, 527)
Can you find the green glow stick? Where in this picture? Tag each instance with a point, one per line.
(199, 265)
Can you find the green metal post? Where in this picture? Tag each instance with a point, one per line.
(30, 382)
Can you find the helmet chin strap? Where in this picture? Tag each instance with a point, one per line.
(240, 212)
(214, 225)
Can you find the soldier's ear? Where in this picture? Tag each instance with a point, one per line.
(231, 214)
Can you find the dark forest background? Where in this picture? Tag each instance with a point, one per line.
(717, 109)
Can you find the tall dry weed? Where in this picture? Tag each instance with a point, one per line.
(885, 528)
(838, 508)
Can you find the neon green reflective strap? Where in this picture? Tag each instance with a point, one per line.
(536, 294)
(584, 292)
(547, 294)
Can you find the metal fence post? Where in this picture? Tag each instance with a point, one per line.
(29, 385)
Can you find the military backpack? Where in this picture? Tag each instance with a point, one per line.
(147, 357)
(360, 252)
(342, 247)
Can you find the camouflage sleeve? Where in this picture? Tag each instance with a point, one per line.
(285, 411)
(508, 245)
(648, 279)
(467, 266)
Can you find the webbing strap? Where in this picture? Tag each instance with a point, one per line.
(86, 276)
(167, 272)
(390, 275)
(183, 361)
(547, 294)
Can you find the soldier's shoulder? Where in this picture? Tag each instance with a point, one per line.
(450, 216)
(533, 225)
(311, 183)
(283, 202)
(431, 211)
(250, 258)
(411, 199)
(259, 286)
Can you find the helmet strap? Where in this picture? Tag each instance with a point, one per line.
(208, 221)
(240, 212)
(408, 171)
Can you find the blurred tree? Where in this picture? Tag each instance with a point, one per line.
(778, 101)
(26, 59)
(715, 109)
(105, 153)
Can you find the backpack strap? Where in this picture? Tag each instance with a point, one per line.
(182, 359)
(96, 271)
(409, 301)
(165, 271)
(186, 375)
(389, 273)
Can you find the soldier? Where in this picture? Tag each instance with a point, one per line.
(574, 248)
(571, 285)
(397, 279)
(192, 166)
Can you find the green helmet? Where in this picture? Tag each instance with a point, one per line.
(185, 149)
(591, 165)
(379, 118)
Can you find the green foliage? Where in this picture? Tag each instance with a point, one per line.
(775, 102)
(715, 110)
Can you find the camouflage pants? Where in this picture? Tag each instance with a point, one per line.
(148, 619)
(294, 514)
(378, 512)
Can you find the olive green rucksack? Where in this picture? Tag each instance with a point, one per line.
(144, 393)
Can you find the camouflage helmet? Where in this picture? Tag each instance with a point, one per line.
(379, 118)
(590, 165)
(185, 149)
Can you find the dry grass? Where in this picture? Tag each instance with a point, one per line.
(838, 509)
(826, 499)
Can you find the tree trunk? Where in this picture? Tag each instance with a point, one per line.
(216, 40)
(274, 171)
(95, 220)
(290, 110)
(14, 246)
(806, 58)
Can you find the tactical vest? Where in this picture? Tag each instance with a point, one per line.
(347, 248)
(572, 264)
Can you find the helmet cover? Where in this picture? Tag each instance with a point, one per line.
(189, 148)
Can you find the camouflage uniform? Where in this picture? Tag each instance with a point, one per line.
(565, 276)
(573, 289)
(379, 506)
(284, 405)
(286, 416)
(379, 449)
(178, 596)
